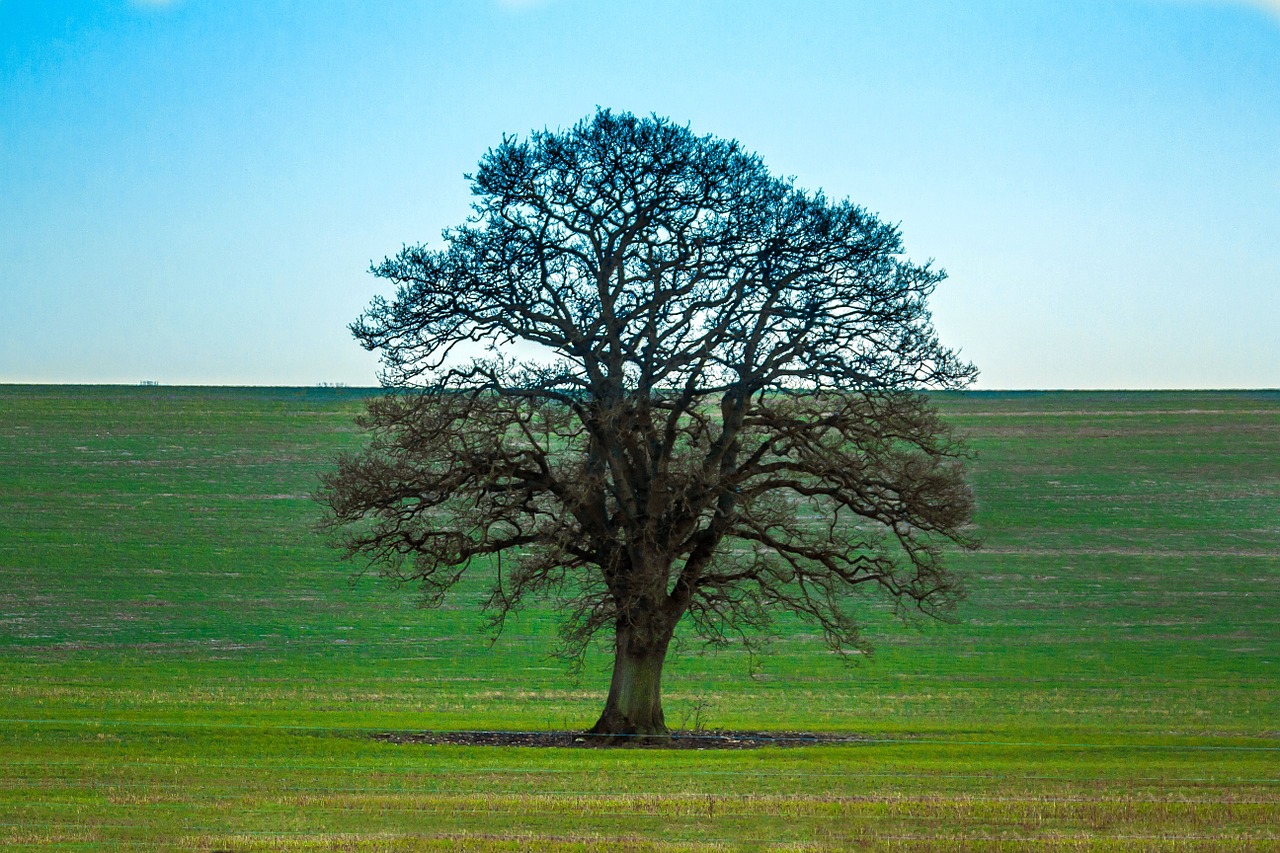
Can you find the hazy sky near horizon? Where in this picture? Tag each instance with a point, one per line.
(191, 191)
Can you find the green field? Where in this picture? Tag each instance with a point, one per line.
(184, 664)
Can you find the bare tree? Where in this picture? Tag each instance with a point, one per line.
(719, 420)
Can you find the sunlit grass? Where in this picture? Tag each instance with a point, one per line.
(186, 665)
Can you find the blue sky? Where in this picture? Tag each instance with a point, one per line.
(192, 191)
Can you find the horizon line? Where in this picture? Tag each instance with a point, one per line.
(340, 386)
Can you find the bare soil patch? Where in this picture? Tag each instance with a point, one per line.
(583, 740)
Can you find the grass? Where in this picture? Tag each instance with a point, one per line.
(185, 665)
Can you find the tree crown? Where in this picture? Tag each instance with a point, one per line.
(719, 420)
(645, 258)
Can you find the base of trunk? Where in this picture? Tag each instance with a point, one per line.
(633, 711)
(615, 729)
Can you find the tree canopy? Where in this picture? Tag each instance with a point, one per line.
(696, 396)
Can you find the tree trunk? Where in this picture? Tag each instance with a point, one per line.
(633, 711)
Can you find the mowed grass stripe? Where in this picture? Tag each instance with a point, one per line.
(772, 740)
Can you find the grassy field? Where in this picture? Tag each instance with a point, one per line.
(183, 664)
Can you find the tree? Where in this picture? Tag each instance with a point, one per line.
(716, 416)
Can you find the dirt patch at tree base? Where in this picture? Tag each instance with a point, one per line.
(580, 740)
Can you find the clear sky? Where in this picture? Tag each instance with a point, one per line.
(192, 191)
